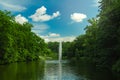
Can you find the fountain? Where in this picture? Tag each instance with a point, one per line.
(59, 69)
(60, 51)
(60, 59)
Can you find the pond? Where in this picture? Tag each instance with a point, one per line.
(51, 70)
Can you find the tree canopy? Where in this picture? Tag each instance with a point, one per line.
(17, 42)
(101, 41)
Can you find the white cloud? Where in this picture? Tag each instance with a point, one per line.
(39, 28)
(48, 38)
(18, 2)
(56, 14)
(54, 35)
(20, 19)
(78, 17)
(40, 15)
(65, 39)
(12, 7)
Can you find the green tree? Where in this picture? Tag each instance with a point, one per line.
(17, 42)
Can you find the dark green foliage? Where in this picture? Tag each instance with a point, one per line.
(17, 42)
(54, 48)
(101, 42)
(65, 46)
(84, 46)
(108, 34)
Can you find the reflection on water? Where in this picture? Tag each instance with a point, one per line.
(88, 70)
(52, 70)
(22, 71)
(55, 70)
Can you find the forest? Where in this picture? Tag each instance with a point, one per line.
(101, 42)
(17, 42)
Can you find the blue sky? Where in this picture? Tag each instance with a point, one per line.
(53, 20)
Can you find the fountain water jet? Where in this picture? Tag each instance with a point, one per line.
(60, 50)
(60, 59)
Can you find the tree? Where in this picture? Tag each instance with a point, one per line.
(17, 42)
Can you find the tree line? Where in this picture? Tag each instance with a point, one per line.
(54, 49)
(17, 42)
(101, 42)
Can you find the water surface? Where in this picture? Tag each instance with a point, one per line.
(22, 71)
(52, 70)
(55, 70)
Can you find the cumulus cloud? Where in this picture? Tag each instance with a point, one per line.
(20, 19)
(65, 39)
(78, 17)
(12, 7)
(40, 15)
(49, 38)
(54, 35)
(56, 14)
(39, 28)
